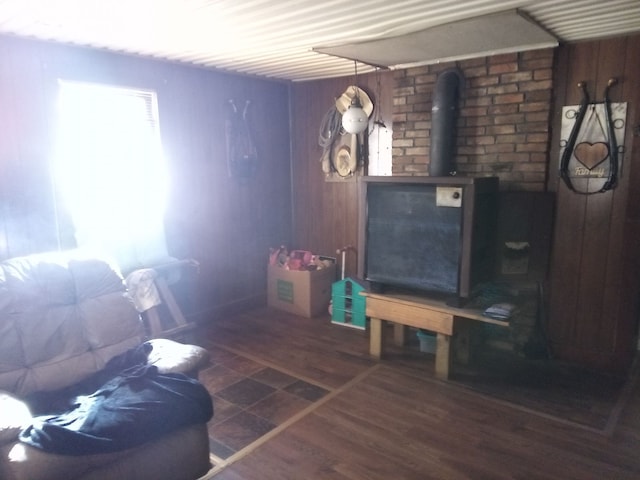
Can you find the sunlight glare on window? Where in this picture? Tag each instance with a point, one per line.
(110, 171)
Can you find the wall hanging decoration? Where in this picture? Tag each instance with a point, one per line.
(343, 153)
(327, 135)
(592, 143)
(242, 157)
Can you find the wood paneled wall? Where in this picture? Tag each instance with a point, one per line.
(595, 284)
(227, 225)
(325, 213)
(594, 280)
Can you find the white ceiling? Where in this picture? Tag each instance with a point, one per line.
(276, 38)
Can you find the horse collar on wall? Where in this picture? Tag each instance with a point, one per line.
(242, 157)
(591, 147)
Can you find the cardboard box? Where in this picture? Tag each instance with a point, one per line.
(305, 293)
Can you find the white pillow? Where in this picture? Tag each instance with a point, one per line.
(175, 357)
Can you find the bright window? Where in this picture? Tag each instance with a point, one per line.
(110, 172)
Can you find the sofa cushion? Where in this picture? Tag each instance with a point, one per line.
(182, 455)
(62, 317)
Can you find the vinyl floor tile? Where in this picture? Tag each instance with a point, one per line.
(306, 390)
(250, 399)
(242, 365)
(279, 406)
(218, 377)
(220, 355)
(219, 449)
(223, 410)
(274, 378)
(246, 392)
(240, 430)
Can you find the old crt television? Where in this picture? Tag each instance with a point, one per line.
(431, 235)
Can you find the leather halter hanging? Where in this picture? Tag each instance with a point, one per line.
(611, 145)
(242, 156)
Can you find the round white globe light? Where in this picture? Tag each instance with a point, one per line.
(354, 120)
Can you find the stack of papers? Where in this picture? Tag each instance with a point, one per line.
(500, 311)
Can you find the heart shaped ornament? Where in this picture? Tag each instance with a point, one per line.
(591, 154)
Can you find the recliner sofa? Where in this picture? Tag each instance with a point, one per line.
(64, 319)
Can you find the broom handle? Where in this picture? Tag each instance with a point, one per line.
(343, 251)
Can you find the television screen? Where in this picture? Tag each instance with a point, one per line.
(411, 241)
(433, 234)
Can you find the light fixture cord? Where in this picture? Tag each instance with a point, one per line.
(377, 120)
(355, 65)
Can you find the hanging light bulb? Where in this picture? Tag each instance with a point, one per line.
(355, 120)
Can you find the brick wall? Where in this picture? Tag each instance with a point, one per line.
(504, 118)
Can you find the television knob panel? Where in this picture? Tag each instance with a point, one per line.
(449, 197)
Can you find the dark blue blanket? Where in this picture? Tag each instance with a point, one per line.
(131, 408)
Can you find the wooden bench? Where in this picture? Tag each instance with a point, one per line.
(424, 313)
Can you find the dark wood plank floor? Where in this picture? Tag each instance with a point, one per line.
(392, 419)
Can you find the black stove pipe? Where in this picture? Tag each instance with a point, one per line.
(444, 115)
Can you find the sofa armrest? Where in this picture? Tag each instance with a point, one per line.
(14, 416)
(174, 357)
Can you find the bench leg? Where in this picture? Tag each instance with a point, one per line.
(463, 342)
(443, 356)
(375, 337)
(399, 333)
(153, 322)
